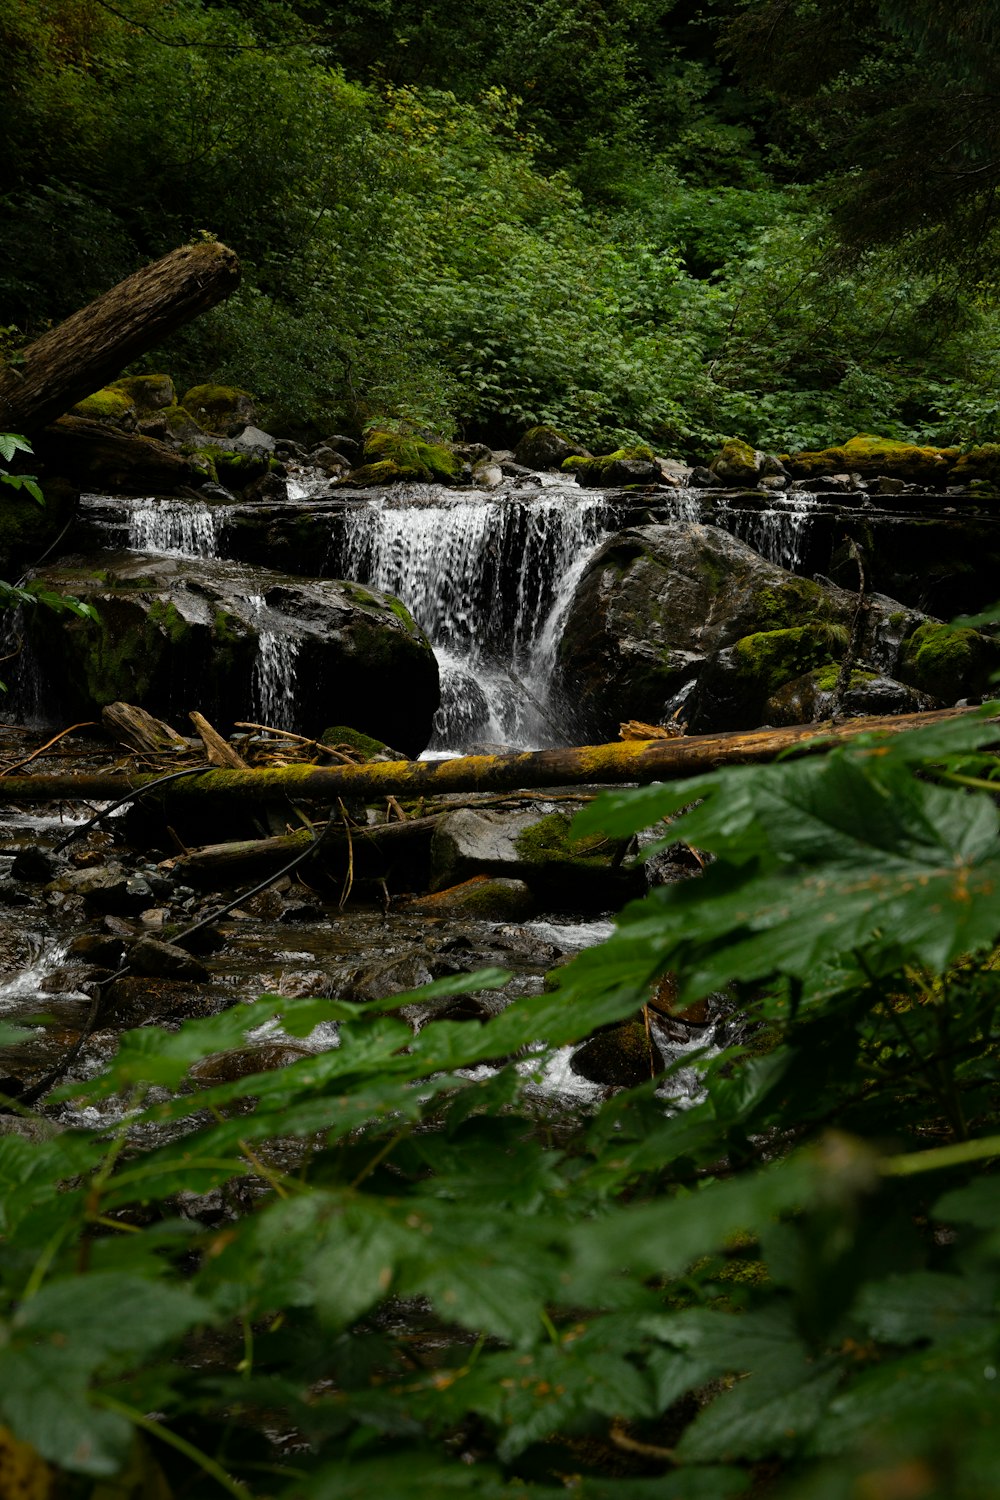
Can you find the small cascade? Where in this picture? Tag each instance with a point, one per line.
(489, 581)
(273, 681)
(186, 527)
(777, 532)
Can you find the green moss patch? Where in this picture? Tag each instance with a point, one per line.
(421, 458)
(594, 470)
(364, 745)
(108, 405)
(769, 658)
(947, 661)
(873, 457)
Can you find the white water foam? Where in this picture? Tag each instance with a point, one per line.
(186, 528)
(490, 582)
(273, 681)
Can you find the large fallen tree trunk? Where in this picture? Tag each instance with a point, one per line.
(94, 345)
(582, 765)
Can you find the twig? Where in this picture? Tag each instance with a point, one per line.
(87, 724)
(349, 878)
(621, 1439)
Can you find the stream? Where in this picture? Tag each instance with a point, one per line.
(489, 577)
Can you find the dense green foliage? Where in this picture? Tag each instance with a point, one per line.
(382, 1268)
(482, 219)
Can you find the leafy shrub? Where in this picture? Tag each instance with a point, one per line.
(795, 1276)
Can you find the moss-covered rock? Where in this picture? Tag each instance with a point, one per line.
(634, 465)
(978, 466)
(430, 460)
(737, 463)
(481, 898)
(874, 457)
(621, 1056)
(561, 871)
(386, 471)
(948, 661)
(234, 470)
(147, 393)
(180, 424)
(363, 746)
(547, 448)
(810, 698)
(111, 405)
(219, 408)
(177, 633)
(662, 610)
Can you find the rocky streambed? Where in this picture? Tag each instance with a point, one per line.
(466, 600)
(108, 927)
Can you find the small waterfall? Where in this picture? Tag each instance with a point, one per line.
(777, 532)
(188, 527)
(489, 581)
(273, 682)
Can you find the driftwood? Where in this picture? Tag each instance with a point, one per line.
(219, 751)
(584, 765)
(95, 344)
(140, 730)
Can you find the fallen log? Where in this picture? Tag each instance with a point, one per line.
(250, 859)
(580, 765)
(90, 348)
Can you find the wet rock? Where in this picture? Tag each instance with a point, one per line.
(154, 959)
(392, 976)
(108, 888)
(243, 1062)
(298, 909)
(686, 608)
(29, 1127)
(174, 631)
(496, 900)
(13, 894)
(135, 1000)
(98, 948)
(36, 865)
(621, 1056)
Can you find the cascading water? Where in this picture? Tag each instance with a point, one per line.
(188, 527)
(273, 682)
(489, 581)
(777, 532)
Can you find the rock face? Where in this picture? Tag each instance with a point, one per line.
(686, 614)
(181, 633)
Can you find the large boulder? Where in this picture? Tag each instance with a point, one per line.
(175, 634)
(687, 618)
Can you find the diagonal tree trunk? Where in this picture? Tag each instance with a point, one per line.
(94, 345)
